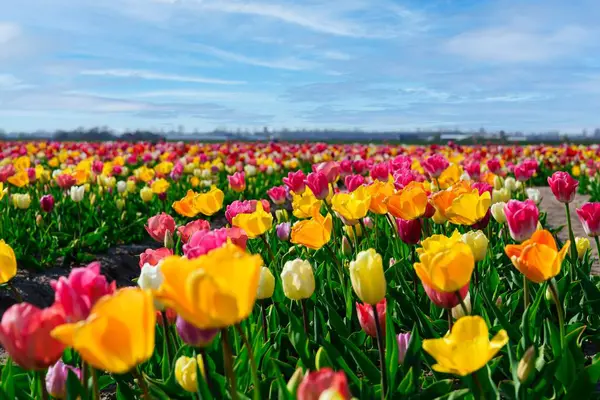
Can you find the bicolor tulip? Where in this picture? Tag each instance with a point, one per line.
(158, 226)
(237, 182)
(366, 317)
(522, 218)
(465, 349)
(324, 384)
(203, 242)
(277, 194)
(403, 340)
(538, 258)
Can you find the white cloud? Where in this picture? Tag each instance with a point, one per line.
(511, 44)
(11, 82)
(8, 32)
(292, 64)
(149, 75)
(336, 55)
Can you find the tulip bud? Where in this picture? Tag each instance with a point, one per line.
(120, 203)
(283, 231)
(368, 279)
(583, 244)
(266, 284)
(186, 372)
(458, 312)
(403, 341)
(498, 212)
(150, 279)
(548, 295)
(56, 379)
(193, 336)
(346, 246)
(39, 220)
(169, 239)
(478, 243)
(498, 184)
(295, 380)
(282, 215)
(510, 184)
(298, 279)
(526, 365)
(368, 222)
(499, 301)
(366, 318)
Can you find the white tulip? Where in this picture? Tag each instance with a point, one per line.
(150, 279)
(77, 193)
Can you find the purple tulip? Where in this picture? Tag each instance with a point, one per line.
(403, 340)
(193, 336)
(283, 231)
(47, 203)
(56, 379)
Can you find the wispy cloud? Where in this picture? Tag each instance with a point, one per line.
(291, 63)
(156, 76)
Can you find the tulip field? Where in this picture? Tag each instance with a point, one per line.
(306, 271)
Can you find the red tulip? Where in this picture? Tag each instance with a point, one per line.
(153, 257)
(295, 181)
(367, 319)
(25, 335)
(563, 186)
(318, 184)
(78, 293)
(317, 382)
(237, 182)
(359, 166)
(435, 165)
(380, 172)
(445, 299)
(65, 181)
(409, 231)
(158, 226)
(186, 231)
(277, 194)
(589, 215)
(522, 218)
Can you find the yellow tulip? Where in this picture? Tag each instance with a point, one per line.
(22, 201)
(537, 258)
(446, 263)
(159, 186)
(352, 206)
(305, 204)
(185, 372)
(313, 233)
(118, 334)
(449, 177)
(164, 167)
(144, 173)
(2, 192)
(185, 206)
(255, 224)
(583, 245)
(409, 203)
(215, 290)
(379, 192)
(146, 194)
(461, 204)
(8, 262)
(467, 348)
(19, 179)
(367, 276)
(22, 163)
(210, 202)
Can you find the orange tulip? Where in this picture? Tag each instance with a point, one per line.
(380, 192)
(313, 233)
(410, 203)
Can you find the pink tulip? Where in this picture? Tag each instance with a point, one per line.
(47, 203)
(494, 166)
(65, 181)
(6, 172)
(447, 300)
(277, 194)
(186, 231)
(56, 379)
(353, 182)
(202, 242)
(404, 177)
(316, 382)
(523, 172)
(380, 172)
(78, 293)
(97, 167)
(522, 218)
(25, 335)
(359, 166)
(345, 168)
(318, 184)
(409, 231)
(158, 226)
(401, 163)
(589, 215)
(435, 165)
(244, 207)
(367, 320)
(403, 342)
(563, 186)
(237, 182)
(330, 169)
(295, 181)
(153, 257)
(482, 187)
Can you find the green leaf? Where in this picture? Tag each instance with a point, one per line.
(391, 347)
(407, 385)
(368, 368)
(201, 386)
(513, 333)
(284, 393)
(73, 386)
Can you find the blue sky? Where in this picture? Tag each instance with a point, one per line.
(372, 64)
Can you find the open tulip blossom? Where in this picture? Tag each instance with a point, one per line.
(298, 270)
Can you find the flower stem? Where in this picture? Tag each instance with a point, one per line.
(253, 366)
(337, 263)
(525, 293)
(41, 375)
(380, 346)
(269, 249)
(263, 312)
(166, 340)
(96, 395)
(572, 239)
(462, 303)
(141, 383)
(597, 244)
(227, 359)
(202, 353)
(559, 312)
(449, 314)
(304, 315)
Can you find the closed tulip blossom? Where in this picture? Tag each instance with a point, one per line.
(77, 193)
(447, 300)
(538, 258)
(352, 206)
(186, 231)
(21, 201)
(582, 245)
(409, 231)
(435, 165)
(283, 231)
(324, 384)
(47, 203)
(465, 349)
(352, 182)
(523, 172)
(313, 233)
(563, 186)
(146, 194)
(403, 342)
(295, 181)
(462, 204)
(380, 172)
(318, 184)
(215, 290)
(25, 335)
(153, 257)
(56, 379)
(78, 292)
(474, 170)
(522, 218)
(330, 169)
(366, 317)
(497, 210)
(254, 224)
(445, 263)
(266, 284)
(186, 372)
(237, 182)
(158, 226)
(494, 166)
(8, 262)
(409, 203)
(277, 194)
(193, 336)
(589, 215)
(368, 278)
(478, 243)
(298, 279)
(127, 315)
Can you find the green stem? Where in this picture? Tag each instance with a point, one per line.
(42, 381)
(304, 315)
(337, 263)
(202, 354)
(525, 293)
(478, 385)
(263, 312)
(269, 249)
(166, 339)
(228, 360)
(364, 229)
(96, 395)
(597, 244)
(380, 346)
(141, 383)
(253, 366)
(572, 239)
(462, 303)
(560, 312)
